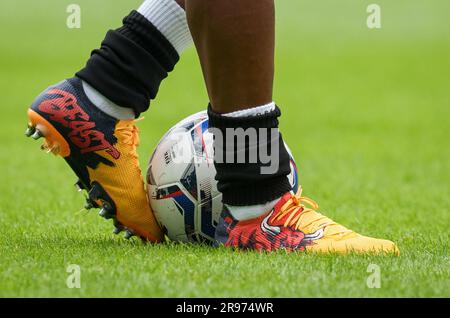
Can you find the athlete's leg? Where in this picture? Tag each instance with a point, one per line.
(88, 119)
(235, 43)
(181, 3)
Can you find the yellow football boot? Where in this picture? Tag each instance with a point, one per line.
(333, 236)
(292, 226)
(101, 150)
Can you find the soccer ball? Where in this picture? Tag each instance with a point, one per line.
(181, 181)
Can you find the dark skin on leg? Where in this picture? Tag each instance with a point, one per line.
(180, 3)
(235, 41)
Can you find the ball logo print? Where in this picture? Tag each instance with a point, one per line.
(180, 179)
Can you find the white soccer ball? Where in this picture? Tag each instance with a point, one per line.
(181, 181)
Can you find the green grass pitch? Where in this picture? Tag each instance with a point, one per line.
(366, 114)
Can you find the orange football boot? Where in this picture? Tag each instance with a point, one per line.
(101, 150)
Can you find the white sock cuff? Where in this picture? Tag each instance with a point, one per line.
(252, 111)
(170, 19)
(242, 213)
(107, 106)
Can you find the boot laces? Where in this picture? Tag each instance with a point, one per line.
(301, 217)
(129, 132)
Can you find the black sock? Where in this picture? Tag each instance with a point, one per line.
(131, 63)
(243, 184)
